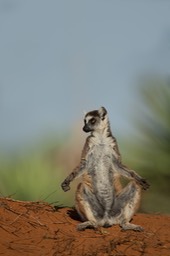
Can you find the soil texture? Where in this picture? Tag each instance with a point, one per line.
(38, 228)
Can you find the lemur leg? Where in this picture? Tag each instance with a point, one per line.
(127, 202)
(84, 205)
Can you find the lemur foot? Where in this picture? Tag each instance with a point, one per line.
(129, 226)
(86, 224)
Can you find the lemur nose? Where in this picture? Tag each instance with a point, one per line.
(86, 128)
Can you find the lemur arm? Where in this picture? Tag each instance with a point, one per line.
(130, 174)
(115, 148)
(123, 170)
(79, 170)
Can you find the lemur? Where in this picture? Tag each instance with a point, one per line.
(100, 200)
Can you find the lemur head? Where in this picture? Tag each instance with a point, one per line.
(95, 120)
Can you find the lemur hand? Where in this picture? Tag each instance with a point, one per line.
(65, 186)
(143, 183)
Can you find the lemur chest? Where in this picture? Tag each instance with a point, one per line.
(99, 168)
(100, 154)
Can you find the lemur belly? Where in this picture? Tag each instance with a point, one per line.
(102, 179)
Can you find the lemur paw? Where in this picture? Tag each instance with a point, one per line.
(65, 186)
(133, 227)
(144, 184)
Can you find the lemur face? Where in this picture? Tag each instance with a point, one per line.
(93, 120)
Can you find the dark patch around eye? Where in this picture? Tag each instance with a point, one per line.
(92, 120)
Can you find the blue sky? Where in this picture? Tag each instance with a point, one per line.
(59, 58)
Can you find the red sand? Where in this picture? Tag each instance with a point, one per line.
(37, 228)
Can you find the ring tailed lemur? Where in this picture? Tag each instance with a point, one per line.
(100, 199)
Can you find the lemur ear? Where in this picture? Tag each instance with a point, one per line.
(102, 112)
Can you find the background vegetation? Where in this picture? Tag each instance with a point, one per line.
(150, 149)
(36, 174)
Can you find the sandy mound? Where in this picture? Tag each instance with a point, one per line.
(37, 228)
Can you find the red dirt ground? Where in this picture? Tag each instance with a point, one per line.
(37, 228)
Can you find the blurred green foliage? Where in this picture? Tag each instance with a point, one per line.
(33, 175)
(149, 151)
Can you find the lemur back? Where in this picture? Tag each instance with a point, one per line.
(100, 199)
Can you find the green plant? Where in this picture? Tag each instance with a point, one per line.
(33, 175)
(150, 150)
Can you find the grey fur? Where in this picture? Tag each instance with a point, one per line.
(97, 201)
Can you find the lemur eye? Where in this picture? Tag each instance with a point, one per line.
(93, 120)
